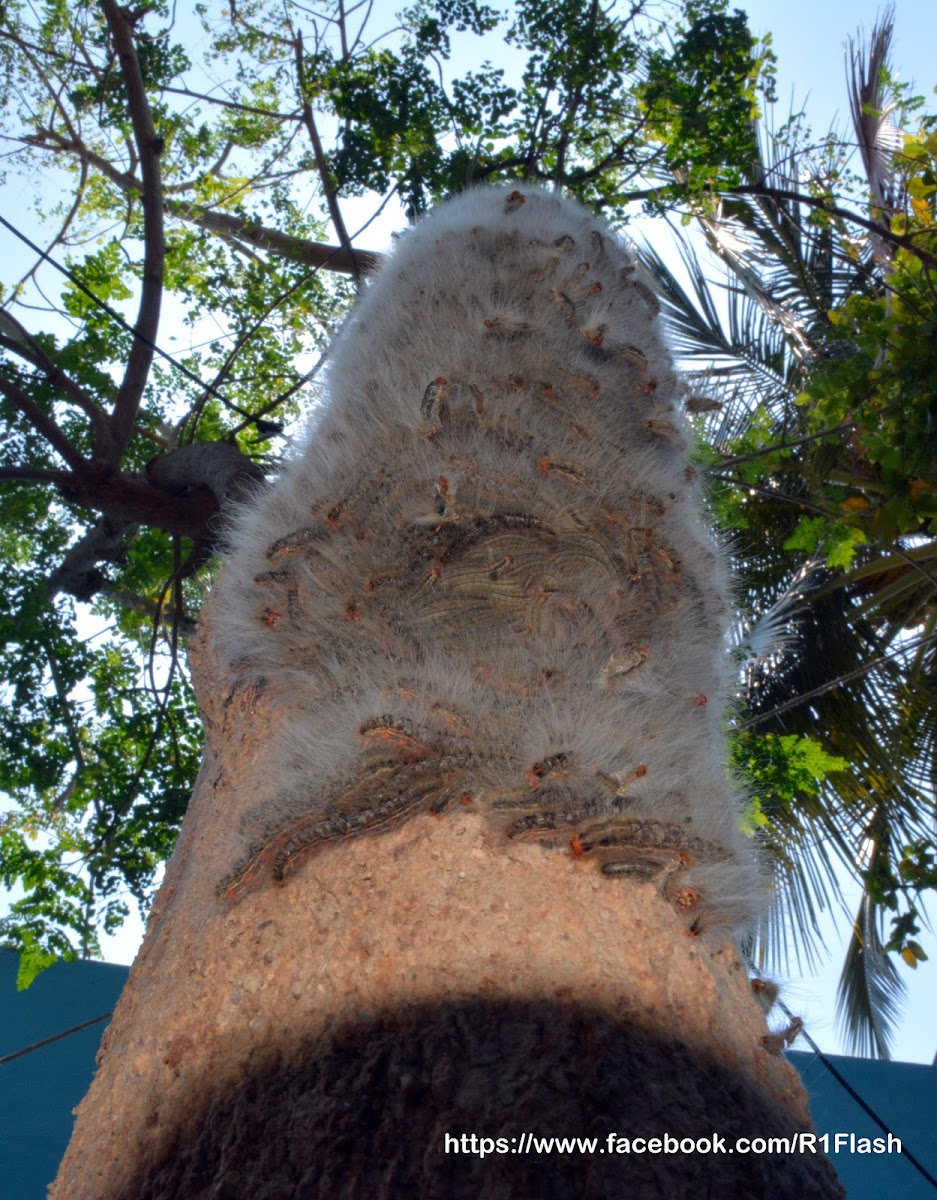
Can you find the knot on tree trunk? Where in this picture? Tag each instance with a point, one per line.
(218, 466)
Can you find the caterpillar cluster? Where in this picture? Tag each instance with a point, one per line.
(486, 580)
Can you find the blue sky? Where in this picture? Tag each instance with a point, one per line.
(809, 37)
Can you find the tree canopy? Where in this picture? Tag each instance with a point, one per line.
(180, 254)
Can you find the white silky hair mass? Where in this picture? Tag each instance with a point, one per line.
(486, 578)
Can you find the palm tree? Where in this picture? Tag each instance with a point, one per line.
(860, 675)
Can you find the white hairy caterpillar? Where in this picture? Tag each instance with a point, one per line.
(486, 577)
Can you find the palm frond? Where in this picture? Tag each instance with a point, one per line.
(722, 337)
(860, 677)
(870, 993)
(878, 136)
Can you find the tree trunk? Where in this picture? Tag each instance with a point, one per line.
(322, 1038)
(463, 863)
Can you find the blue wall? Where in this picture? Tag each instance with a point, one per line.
(39, 1090)
(904, 1095)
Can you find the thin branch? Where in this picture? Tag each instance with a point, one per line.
(163, 713)
(301, 382)
(49, 139)
(245, 108)
(113, 314)
(63, 230)
(772, 494)
(215, 168)
(343, 31)
(68, 718)
(569, 117)
(54, 95)
(273, 241)
(282, 397)
(148, 608)
(226, 367)
(325, 175)
(367, 16)
(733, 461)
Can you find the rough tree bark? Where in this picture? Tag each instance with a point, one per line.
(462, 859)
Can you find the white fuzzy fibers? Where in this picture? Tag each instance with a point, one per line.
(486, 575)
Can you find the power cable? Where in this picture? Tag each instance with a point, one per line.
(851, 1091)
(115, 316)
(54, 1038)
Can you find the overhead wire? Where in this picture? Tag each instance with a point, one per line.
(854, 1095)
(121, 321)
(56, 1037)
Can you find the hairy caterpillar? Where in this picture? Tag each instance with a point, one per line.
(486, 574)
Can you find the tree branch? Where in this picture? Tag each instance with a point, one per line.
(78, 573)
(192, 482)
(18, 340)
(272, 241)
(149, 147)
(218, 466)
(133, 501)
(63, 230)
(231, 104)
(137, 501)
(50, 139)
(68, 719)
(568, 118)
(771, 494)
(43, 424)
(734, 460)
(149, 608)
(60, 479)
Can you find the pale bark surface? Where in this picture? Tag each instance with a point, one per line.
(320, 1037)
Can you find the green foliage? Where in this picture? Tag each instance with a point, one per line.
(267, 120)
(99, 765)
(870, 381)
(834, 542)
(881, 377)
(822, 468)
(701, 99)
(782, 771)
(783, 776)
